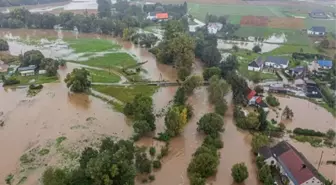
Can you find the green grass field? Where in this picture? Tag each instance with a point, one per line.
(102, 76)
(125, 94)
(243, 70)
(289, 49)
(39, 79)
(200, 10)
(292, 36)
(82, 45)
(110, 60)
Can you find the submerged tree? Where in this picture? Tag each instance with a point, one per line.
(78, 80)
(287, 113)
(239, 172)
(3, 45)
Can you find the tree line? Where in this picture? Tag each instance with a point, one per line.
(5, 3)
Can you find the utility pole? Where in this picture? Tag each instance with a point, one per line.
(319, 164)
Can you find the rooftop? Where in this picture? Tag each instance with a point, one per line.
(318, 29)
(277, 60)
(251, 94)
(162, 15)
(31, 67)
(325, 63)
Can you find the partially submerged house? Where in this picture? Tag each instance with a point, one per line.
(214, 27)
(256, 65)
(325, 64)
(276, 62)
(27, 71)
(291, 163)
(317, 30)
(255, 100)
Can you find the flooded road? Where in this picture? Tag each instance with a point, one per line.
(306, 115)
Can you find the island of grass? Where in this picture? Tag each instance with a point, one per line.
(82, 45)
(125, 94)
(103, 76)
(110, 60)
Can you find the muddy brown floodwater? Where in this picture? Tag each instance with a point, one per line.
(35, 123)
(306, 114)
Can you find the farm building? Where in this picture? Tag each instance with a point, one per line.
(276, 62)
(317, 30)
(325, 64)
(298, 71)
(256, 65)
(318, 14)
(292, 164)
(27, 71)
(254, 100)
(214, 27)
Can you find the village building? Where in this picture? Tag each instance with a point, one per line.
(214, 27)
(317, 14)
(255, 100)
(297, 72)
(42, 71)
(156, 16)
(325, 64)
(276, 62)
(256, 65)
(317, 30)
(27, 71)
(291, 163)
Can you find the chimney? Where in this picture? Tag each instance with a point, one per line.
(303, 166)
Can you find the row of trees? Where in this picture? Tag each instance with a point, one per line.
(217, 90)
(115, 162)
(177, 48)
(141, 111)
(206, 158)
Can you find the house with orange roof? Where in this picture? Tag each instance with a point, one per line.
(256, 100)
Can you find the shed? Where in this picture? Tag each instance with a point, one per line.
(325, 64)
(317, 30)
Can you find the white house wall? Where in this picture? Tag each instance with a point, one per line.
(250, 68)
(312, 181)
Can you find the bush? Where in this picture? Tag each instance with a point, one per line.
(331, 134)
(272, 101)
(151, 178)
(308, 132)
(152, 151)
(196, 179)
(213, 141)
(10, 81)
(35, 87)
(163, 136)
(9, 179)
(156, 164)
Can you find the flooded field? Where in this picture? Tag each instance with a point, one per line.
(33, 124)
(306, 115)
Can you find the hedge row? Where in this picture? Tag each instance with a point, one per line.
(308, 132)
(308, 56)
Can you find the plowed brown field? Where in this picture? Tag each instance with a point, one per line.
(254, 21)
(292, 23)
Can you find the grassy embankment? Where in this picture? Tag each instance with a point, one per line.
(39, 79)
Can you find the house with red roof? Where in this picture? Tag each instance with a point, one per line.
(255, 100)
(292, 164)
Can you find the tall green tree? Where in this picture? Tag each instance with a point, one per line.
(258, 141)
(50, 65)
(211, 56)
(191, 83)
(211, 124)
(3, 45)
(104, 8)
(32, 57)
(211, 71)
(239, 172)
(78, 80)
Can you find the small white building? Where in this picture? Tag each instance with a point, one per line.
(317, 30)
(276, 62)
(151, 16)
(214, 27)
(256, 65)
(42, 71)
